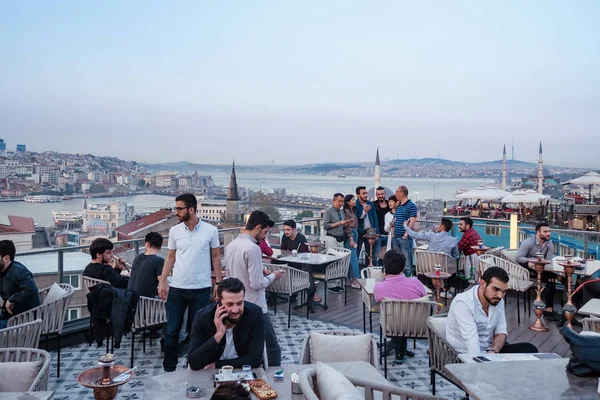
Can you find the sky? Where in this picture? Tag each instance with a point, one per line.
(298, 82)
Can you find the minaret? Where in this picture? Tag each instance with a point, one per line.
(377, 171)
(233, 198)
(540, 171)
(504, 168)
(84, 215)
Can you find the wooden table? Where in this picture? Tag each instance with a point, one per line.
(592, 307)
(172, 385)
(542, 379)
(591, 267)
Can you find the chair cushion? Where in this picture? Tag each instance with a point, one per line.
(340, 348)
(510, 255)
(439, 326)
(55, 293)
(335, 386)
(18, 376)
(525, 285)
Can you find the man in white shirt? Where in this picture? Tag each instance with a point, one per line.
(243, 261)
(193, 245)
(476, 321)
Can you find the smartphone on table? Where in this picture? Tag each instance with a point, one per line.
(481, 359)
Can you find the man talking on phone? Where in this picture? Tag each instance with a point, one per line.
(243, 261)
(230, 332)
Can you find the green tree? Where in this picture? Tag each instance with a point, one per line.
(97, 189)
(304, 214)
(141, 183)
(261, 202)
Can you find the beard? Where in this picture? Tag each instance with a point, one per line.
(493, 301)
(185, 217)
(233, 321)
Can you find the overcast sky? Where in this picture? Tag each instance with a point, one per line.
(302, 81)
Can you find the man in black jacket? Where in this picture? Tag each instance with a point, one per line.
(101, 252)
(17, 287)
(231, 332)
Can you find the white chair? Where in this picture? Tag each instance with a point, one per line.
(306, 354)
(440, 352)
(150, 313)
(426, 260)
(337, 270)
(519, 279)
(19, 354)
(26, 335)
(293, 281)
(52, 314)
(403, 318)
(591, 324)
(368, 300)
(89, 282)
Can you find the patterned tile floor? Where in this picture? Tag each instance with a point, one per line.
(414, 374)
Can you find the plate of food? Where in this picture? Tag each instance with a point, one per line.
(262, 389)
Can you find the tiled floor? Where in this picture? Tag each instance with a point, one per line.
(414, 374)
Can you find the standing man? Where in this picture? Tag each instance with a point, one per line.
(381, 208)
(147, 268)
(292, 239)
(17, 287)
(367, 218)
(193, 244)
(469, 239)
(540, 243)
(244, 262)
(333, 222)
(406, 211)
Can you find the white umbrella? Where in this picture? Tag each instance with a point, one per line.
(591, 178)
(483, 194)
(524, 197)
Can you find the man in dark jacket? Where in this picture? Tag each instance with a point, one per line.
(17, 287)
(231, 332)
(101, 252)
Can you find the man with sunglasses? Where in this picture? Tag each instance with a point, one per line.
(193, 252)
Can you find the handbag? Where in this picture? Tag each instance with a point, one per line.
(585, 349)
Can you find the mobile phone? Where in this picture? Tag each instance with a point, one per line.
(278, 374)
(480, 359)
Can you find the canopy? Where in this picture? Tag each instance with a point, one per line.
(483, 194)
(525, 197)
(591, 178)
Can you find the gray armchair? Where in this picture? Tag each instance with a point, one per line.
(591, 324)
(306, 352)
(337, 270)
(150, 313)
(26, 335)
(17, 354)
(52, 314)
(440, 352)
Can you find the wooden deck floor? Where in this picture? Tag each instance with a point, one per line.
(351, 315)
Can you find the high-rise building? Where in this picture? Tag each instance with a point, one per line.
(2, 145)
(21, 148)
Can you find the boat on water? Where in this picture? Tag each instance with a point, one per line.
(67, 217)
(43, 199)
(341, 176)
(461, 190)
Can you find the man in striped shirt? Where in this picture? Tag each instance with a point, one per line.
(406, 211)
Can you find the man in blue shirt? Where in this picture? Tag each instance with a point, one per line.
(439, 241)
(406, 211)
(367, 218)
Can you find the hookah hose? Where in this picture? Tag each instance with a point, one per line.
(583, 284)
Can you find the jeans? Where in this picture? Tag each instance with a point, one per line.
(353, 272)
(273, 349)
(405, 246)
(381, 242)
(178, 301)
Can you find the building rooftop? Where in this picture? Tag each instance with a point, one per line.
(154, 218)
(22, 224)
(47, 264)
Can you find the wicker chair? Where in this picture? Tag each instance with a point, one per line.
(403, 318)
(509, 254)
(337, 270)
(52, 314)
(372, 390)
(91, 282)
(519, 279)
(293, 281)
(440, 352)
(426, 260)
(591, 324)
(150, 313)
(306, 352)
(20, 354)
(26, 335)
(368, 300)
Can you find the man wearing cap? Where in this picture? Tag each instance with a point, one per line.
(243, 261)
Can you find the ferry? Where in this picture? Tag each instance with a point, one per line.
(64, 217)
(43, 199)
(341, 176)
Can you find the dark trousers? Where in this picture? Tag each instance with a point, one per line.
(400, 345)
(519, 348)
(177, 302)
(591, 291)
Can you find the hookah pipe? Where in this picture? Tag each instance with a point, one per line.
(583, 284)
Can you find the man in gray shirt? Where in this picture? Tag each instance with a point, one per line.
(333, 220)
(243, 260)
(439, 241)
(540, 243)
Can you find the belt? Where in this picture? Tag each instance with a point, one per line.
(336, 237)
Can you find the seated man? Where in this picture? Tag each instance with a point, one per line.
(398, 287)
(17, 287)
(292, 239)
(230, 332)
(476, 321)
(540, 243)
(101, 252)
(439, 241)
(147, 268)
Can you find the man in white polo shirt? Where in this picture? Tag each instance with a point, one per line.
(243, 261)
(193, 244)
(476, 321)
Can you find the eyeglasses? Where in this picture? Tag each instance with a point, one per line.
(179, 209)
